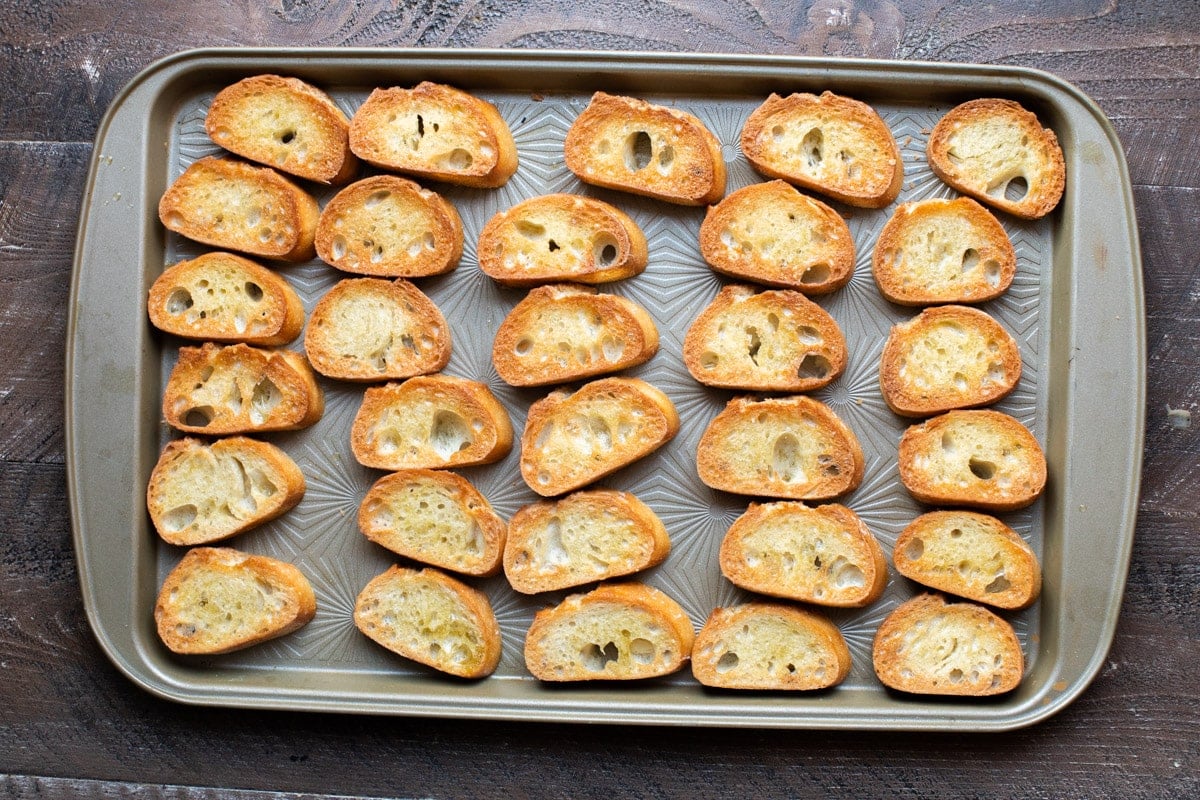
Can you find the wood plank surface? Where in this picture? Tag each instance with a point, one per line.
(71, 725)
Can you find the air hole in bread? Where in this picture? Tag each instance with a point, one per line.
(339, 248)
(846, 575)
(179, 301)
(1016, 189)
(1000, 584)
(375, 198)
(605, 251)
(612, 347)
(642, 651)
(601, 432)
(253, 291)
(376, 253)
(198, 417)
(728, 661)
(914, 549)
(808, 335)
(828, 467)
(956, 675)
(233, 400)
(754, 344)
(287, 136)
(639, 150)
(813, 366)
(991, 272)
(555, 554)
(552, 245)
(811, 146)
(179, 518)
(970, 259)
(984, 470)
(263, 400)
(595, 658)
(530, 230)
(786, 459)
(457, 159)
(817, 273)
(948, 444)
(666, 158)
(960, 382)
(523, 346)
(450, 434)
(995, 373)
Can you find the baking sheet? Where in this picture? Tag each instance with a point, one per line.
(1075, 307)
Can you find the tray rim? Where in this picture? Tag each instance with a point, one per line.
(139, 668)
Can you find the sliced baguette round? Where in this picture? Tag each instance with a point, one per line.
(793, 447)
(561, 237)
(930, 646)
(574, 438)
(284, 123)
(435, 517)
(431, 618)
(233, 205)
(627, 144)
(983, 146)
(978, 458)
(947, 357)
(223, 389)
(435, 132)
(823, 555)
(222, 297)
(772, 234)
(373, 329)
(971, 555)
(430, 422)
(830, 144)
(565, 332)
(583, 537)
(943, 251)
(201, 493)
(769, 646)
(218, 599)
(390, 227)
(770, 341)
(620, 631)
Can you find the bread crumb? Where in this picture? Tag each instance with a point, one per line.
(1180, 418)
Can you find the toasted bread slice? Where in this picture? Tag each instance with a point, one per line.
(772, 341)
(432, 619)
(981, 459)
(561, 237)
(943, 251)
(435, 132)
(770, 233)
(284, 123)
(630, 145)
(793, 447)
(564, 332)
(947, 357)
(430, 422)
(587, 536)
(997, 152)
(218, 599)
(237, 206)
(390, 227)
(823, 555)
(201, 493)
(223, 297)
(435, 517)
(929, 646)
(769, 646)
(218, 390)
(574, 438)
(830, 144)
(372, 329)
(620, 631)
(971, 555)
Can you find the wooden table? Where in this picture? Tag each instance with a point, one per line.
(72, 724)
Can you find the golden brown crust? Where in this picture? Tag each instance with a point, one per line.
(983, 145)
(574, 438)
(563, 332)
(772, 234)
(769, 646)
(770, 341)
(201, 493)
(830, 144)
(435, 517)
(223, 297)
(218, 390)
(218, 599)
(930, 646)
(979, 458)
(583, 537)
(823, 555)
(792, 447)
(561, 237)
(390, 227)
(435, 132)
(372, 329)
(431, 618)
(910, 261)
(284, 123)
(430, 422)
(971, 555)
(947, 357)
(627, 144)
(619, 631)
(237, 206)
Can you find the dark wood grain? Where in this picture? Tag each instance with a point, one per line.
(72, 725)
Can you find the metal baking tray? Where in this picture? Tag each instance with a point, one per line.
(1075, 307)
